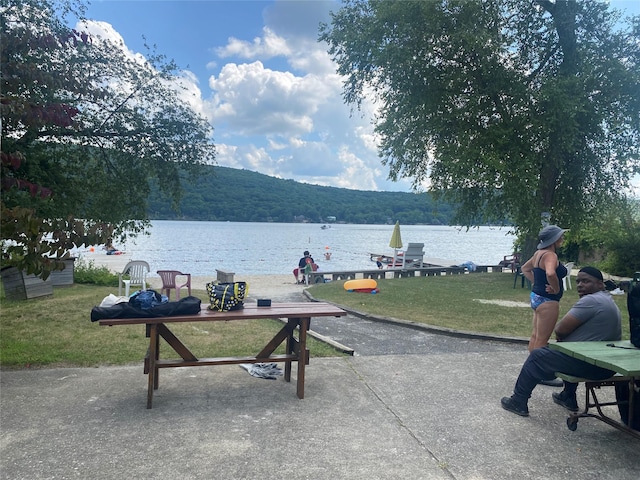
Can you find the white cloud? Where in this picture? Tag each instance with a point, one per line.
(227, 155)
(357, 173)
(104, 31)
(254, 100)
(265, 47)
(186, 85)
(279, 99)
(294, 126)
(189, 91)
(275, 103)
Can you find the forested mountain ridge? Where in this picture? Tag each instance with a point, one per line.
(228, 194)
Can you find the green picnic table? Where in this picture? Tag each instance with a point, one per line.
(621, 357)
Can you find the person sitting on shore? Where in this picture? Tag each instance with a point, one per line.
(302, 265)
(595, 317)
(109, 247)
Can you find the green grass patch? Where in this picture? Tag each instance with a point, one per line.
(479, 302)
(56, 331)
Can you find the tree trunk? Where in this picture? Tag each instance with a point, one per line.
(561, 106)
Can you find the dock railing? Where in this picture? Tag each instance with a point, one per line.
(427, 271)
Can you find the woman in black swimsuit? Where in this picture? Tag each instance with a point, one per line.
(545, 272)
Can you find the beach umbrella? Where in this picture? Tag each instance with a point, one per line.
(395, 242)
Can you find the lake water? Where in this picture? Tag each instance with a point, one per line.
(275, 248)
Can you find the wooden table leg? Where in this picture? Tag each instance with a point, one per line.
(157, 374)
(290, 346)
(632, 399)
(302, 354)
(153, 369)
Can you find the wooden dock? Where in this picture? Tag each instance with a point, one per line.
(427, 270)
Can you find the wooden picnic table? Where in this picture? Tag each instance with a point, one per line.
(621, 357)
(298, 315)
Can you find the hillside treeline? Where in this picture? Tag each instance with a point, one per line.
(228, 194)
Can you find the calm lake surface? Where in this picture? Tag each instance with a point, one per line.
(200, 248)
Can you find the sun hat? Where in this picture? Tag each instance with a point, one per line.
(549, 235)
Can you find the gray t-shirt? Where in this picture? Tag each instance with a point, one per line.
(599, 317)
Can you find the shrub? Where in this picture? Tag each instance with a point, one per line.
(90, 274)
(623, 253)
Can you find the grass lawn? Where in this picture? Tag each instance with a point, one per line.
(56, 331)
(479, 302)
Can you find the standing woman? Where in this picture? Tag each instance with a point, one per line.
(545, 272)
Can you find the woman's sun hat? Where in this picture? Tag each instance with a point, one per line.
(550, 235)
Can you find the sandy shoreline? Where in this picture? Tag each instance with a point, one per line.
(276, 287)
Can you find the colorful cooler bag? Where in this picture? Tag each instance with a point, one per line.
(227, 296)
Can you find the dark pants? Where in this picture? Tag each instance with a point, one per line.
(542, 364)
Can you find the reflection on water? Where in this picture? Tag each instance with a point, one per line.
(275, 248)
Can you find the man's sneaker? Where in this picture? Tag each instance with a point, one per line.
(508, 403)
(565, 401)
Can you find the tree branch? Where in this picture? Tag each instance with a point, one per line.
(544, 62)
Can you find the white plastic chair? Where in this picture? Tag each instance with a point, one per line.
(137, 271)
(566, 281)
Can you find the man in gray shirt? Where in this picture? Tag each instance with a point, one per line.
(595, 317)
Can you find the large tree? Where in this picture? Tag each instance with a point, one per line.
(511, 107)
(85, 127)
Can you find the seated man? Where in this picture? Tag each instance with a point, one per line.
(304, 264)
(595, 317)
(109, 247)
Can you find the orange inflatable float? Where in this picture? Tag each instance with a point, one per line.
(364, 285)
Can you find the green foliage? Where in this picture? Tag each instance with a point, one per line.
(623, 253)
(620, 240)
(228, 194)
(87, 273)
(611, 241)
(510, 108)
(85, 128)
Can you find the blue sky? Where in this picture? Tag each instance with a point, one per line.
(265, 83)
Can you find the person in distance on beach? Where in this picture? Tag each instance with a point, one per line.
(545, 273)
(109, 247)
(307, 259)
(594, 317)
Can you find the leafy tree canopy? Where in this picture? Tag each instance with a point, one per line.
(85, 128)
(510, 107)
